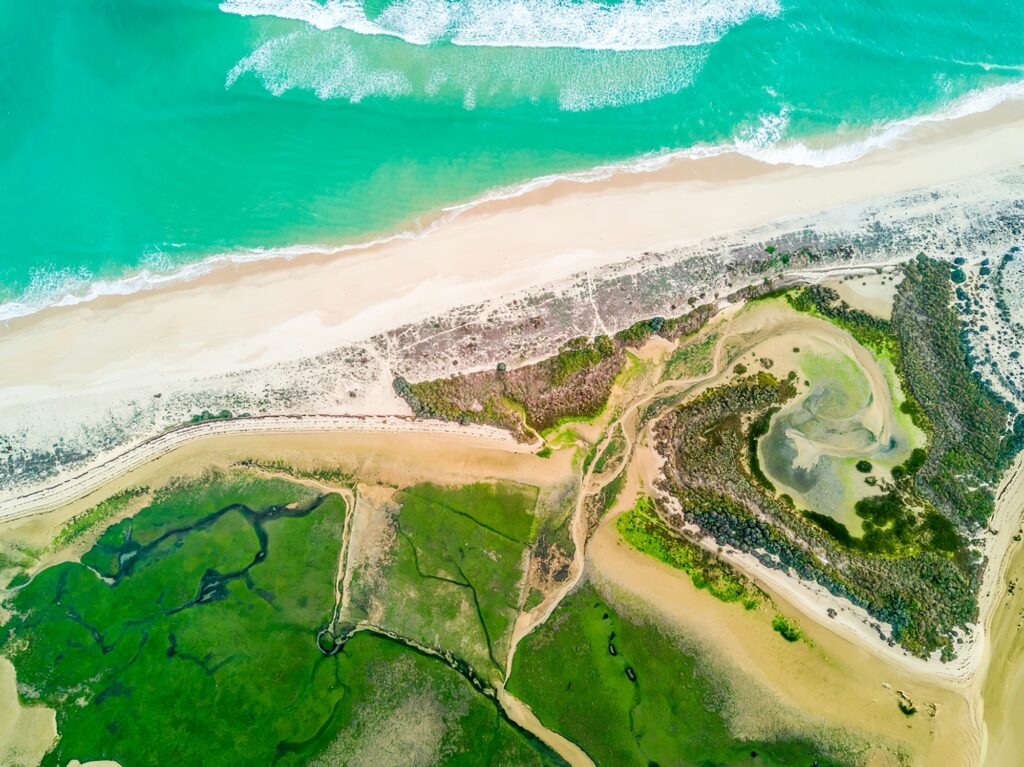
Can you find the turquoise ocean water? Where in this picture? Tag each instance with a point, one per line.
(140, 137)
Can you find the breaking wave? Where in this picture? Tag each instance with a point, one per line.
(333, 66)
(764, 141)
(623, 26)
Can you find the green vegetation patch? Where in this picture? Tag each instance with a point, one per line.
(692, 358)
(870, 331)
(643, 529)
(452, 579)
(199, 646)
(398, 707)
(80, 524)
(206, 415)
(329, 475)
(614, 450)
(213, 593)
(919, 577)
(788, 629)
(629, 693)
(971, 443)
(572, 385)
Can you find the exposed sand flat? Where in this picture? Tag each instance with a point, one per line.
(1002, 683)
(26, 733)
(84, 484)
(871, 293)
(835, 681)
(385, 456)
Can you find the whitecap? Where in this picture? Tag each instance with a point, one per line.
(329, 68)
(71, 287)
(847, 148)
(337, 65)
(627, 25)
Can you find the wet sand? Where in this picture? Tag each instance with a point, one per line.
(1002, 686)
(385, 457)
(834, 682)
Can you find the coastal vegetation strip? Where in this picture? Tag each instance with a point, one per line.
(573, 384)
(644, 530)
(80, 524)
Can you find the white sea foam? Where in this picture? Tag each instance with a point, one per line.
(990, 66)
(761, 142)
(331, 66)
(627, 25)
(766, 147)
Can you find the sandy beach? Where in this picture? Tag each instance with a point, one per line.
(273, 311)
(326, 334)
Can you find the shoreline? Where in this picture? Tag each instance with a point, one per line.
(1006, 550)
(982, 110)
(273, 314)
(274, 311)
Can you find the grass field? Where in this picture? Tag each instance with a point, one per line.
(452, 579)
(404, 709)
(193, 641)
(691, 358)
(629, 693)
